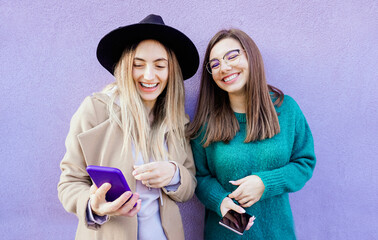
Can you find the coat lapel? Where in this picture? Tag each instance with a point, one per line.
(102, 145)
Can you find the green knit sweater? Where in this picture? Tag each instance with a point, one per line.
(284, 163)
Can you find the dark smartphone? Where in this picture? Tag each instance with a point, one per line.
(235, 221)
(114, 176)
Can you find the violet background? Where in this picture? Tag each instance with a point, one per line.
(322, 53)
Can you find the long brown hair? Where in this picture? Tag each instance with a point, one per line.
(213, 107)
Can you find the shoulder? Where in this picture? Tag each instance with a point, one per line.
(290, 111)
(199, 138)
(289, 104)
(94, 103)
(93, 109)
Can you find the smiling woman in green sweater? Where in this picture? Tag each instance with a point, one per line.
(251, 144)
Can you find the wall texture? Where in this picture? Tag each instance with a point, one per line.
(322, 53)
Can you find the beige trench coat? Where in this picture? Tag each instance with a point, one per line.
(95, 140)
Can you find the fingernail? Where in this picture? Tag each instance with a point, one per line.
(134, 173)
(242, 210)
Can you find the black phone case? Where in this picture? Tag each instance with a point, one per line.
(241, 219)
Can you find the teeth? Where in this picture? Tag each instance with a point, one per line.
(149, 85)
(227, 79)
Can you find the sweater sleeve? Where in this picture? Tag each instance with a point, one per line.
(209, 191)
(293, 176)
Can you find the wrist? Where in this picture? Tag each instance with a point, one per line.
(94, 211)
(223, 208)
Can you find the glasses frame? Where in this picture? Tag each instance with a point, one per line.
(240, 52)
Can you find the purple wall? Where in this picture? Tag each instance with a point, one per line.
(323, 53)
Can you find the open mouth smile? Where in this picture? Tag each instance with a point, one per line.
(151, 85)
(148, 87)
(231, 78)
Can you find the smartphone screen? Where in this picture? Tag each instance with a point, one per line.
(235, 221)
(114, 176)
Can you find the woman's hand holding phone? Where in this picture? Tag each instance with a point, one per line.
(249, 191)
(122, 206)
(227, 205)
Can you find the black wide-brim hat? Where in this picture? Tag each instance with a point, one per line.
(112, 45)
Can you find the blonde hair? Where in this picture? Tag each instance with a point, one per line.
(168, 113)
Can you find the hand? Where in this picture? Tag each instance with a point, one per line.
(155, 174)
(227, 204)
(249, 191)
(116, 208)
(250, 223)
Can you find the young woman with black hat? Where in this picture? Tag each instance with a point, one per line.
(135, 124)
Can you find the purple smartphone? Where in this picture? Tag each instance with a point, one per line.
(114, 176)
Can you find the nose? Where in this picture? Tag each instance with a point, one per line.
(224, 66)
(148, 73)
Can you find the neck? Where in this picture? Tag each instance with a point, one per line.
(148, 107)
(237, 102)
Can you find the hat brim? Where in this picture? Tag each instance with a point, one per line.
(111, 46)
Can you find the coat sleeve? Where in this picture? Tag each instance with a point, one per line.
(209, 191)
(187, 177)
(74, 183)
(293, 176)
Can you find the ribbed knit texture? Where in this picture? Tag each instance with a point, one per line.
(284, 163)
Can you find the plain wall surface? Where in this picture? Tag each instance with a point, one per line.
(322, 53)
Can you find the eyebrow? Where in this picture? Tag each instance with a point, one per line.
(237, 49)
(156, 60)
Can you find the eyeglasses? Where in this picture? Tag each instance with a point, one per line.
(231, 58)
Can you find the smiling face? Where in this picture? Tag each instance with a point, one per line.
(150, 70)
(230, 77)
